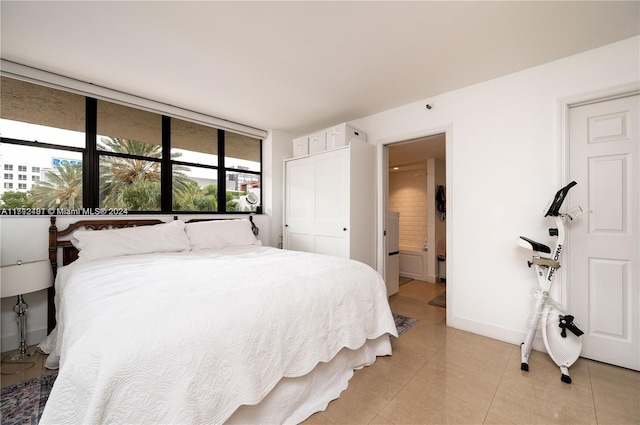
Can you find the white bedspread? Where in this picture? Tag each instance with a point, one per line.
(190, 337)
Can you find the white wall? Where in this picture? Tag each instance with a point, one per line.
(503, 165)
(276, 147)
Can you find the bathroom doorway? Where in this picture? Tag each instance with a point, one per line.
(416, 189)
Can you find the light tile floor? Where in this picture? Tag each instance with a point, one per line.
(440, 375)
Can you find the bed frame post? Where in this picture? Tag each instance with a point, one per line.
(53, 258)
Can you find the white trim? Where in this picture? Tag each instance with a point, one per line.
(56, 81)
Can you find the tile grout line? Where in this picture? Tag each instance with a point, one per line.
(410, 379)
(403, 386)
(504, 369)
(593, 397)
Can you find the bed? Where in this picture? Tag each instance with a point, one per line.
(199, 323)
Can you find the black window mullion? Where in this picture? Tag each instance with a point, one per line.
(166, 172)
(259, 209)
(222, 174)
(90, 159)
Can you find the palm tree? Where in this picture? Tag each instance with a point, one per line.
(60, 189)
(125, 182)
(193, 198)
(118, 173)
(142, 195)
(122, 178)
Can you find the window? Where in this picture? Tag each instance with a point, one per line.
(22, 177)
(8, 167)
(199, 171)
(129, 145)
(8, 185)
(194, 167)
(90, 153)
(8, 176)
(242, 167)
(44, 125)
(40, 114)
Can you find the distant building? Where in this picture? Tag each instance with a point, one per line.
(20, 175)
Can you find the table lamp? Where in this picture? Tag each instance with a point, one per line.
(15, 281)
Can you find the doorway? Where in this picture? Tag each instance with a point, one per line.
(415, 175)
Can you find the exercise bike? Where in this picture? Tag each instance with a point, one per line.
(562, 338)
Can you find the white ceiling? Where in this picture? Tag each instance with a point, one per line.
(301, 66)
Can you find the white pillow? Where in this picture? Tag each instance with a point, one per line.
(218, 234)
(167, 237)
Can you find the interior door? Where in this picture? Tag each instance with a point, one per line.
(299, 205)
(603, 251)
(332, 203)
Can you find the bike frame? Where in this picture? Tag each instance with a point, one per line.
(546, 262)
(545, 280)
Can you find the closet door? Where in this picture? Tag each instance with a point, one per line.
(331, 231)
(299, 205)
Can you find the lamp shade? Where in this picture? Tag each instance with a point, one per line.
(23, 278)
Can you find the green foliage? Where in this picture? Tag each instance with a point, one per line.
(61, 189)
(142, 195)
(122, 179)
(135, 184)
(193, 198)
(13, 199)
(210, 190)
(232, 203)
(129, 183)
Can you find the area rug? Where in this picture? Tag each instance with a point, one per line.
(440, 300)
(403, 324)
(24, 402)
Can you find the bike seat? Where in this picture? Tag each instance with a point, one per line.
(531, 244)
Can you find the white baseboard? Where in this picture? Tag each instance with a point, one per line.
(507, 335)
(432, 278)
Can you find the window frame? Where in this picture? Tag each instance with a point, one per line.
(91, 165)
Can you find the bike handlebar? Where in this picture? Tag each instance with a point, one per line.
(554, 209)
